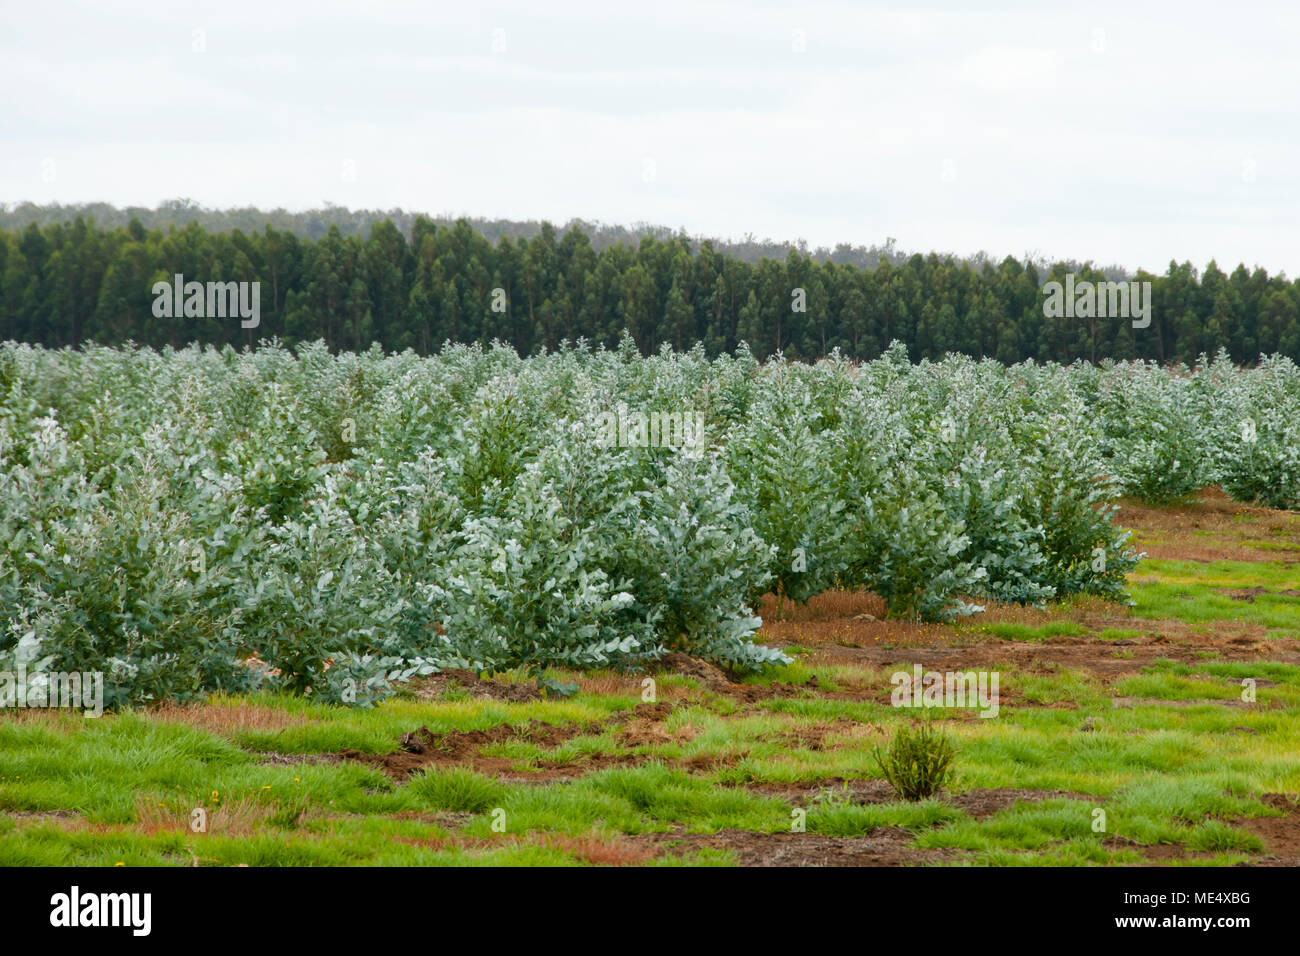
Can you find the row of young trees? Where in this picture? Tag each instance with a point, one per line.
(69, 283)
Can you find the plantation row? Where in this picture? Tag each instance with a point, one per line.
(346, 521)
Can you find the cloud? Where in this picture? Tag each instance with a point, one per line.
(1107, 133)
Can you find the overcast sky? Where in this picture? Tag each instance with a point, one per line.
(1114, 132)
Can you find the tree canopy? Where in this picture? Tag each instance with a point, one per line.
(66, 283)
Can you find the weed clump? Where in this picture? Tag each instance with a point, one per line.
(918, 761)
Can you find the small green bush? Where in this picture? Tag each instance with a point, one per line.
(918, 761)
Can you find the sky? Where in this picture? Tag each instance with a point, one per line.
(1121, 133)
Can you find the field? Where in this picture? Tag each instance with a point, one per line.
(385, 610)
(1136, 711)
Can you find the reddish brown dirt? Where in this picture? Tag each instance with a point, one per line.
(978, 802)
(422, 748)
(41, 816)
(1156, 854)
(1281, 835)
(814, 737)
(718, 681)
(885, 846)
(1232, 702)
(1213, 527)
(647, 728)
(1094, 655)
(450, 819)
(592, 848)
(683, 665)
(710, 676)
(560, 771)
(436, 686)
(1249, 594)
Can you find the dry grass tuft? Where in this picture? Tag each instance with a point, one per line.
(241, 817)
(601, 851)
(226, 717)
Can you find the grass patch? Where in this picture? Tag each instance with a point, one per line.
(457, 788)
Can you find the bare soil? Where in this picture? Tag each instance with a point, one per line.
(885, 846)
(436, 686)
(1281, 835)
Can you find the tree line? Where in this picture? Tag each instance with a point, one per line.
(315, 223)
(67, 283)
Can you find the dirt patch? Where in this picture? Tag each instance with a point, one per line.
(647, 728)
(439, 685)
(814, 736)
(622, 685)
(1212, 527)
(710, 675)
(593, 848)
(981, 802)
(653, 712)
(720, 682)
(1096, 656)
(562, 771)
(1193, 702)
(1281, 835)
(885, 846)
(422, 748)
(40, 816)
(753, 693)
(837, 606)
(1157, 854)
(448, 819)
(978, 802)
(1249, 594)
(275, 759)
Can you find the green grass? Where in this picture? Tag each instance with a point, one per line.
(456, 788)
(1193, 592)
(1119, 634)
(1011, 631)
(1163, 776)
(641, 800)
